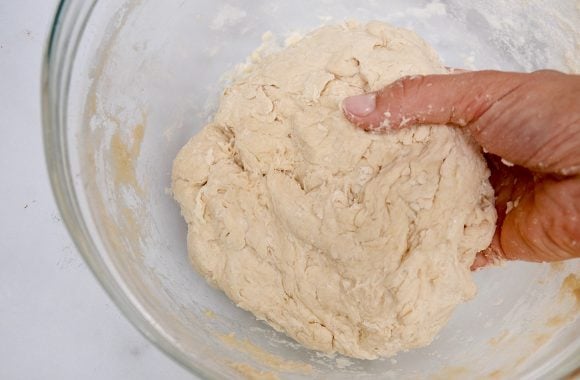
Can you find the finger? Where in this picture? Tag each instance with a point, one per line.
(436, 99)
(546, 212)
(491, 255)
(532, 120)
(545, 224)
(480, 261)
(509, 184)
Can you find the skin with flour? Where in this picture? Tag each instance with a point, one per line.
(347, 241)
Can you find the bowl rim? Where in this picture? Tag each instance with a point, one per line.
(66, 32)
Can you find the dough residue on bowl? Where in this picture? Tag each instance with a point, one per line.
(347, 241)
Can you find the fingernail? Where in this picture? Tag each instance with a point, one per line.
(360, 105)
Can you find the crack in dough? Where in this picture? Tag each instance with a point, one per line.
(347, 241)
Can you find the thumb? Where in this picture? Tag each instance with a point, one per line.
(532, 120)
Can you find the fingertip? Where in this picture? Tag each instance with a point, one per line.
(363, 111)
(491, 256)
(359, 106)
(357, 122)
(349, 115)
(480, 262)
(362, 122)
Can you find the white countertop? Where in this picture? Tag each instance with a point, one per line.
(56, 322)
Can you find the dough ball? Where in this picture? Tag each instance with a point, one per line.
(347, 241)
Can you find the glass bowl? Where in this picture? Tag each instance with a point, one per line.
(127, 83)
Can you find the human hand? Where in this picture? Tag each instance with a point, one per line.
(530, 120)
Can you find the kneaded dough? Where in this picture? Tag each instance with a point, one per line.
(347, 241)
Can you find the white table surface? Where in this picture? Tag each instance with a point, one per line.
(56, 322)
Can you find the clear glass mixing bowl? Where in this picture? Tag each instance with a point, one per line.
(127, 83)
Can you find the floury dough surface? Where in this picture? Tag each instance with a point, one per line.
(347, 241)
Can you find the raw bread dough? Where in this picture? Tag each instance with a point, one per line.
(347, 241)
